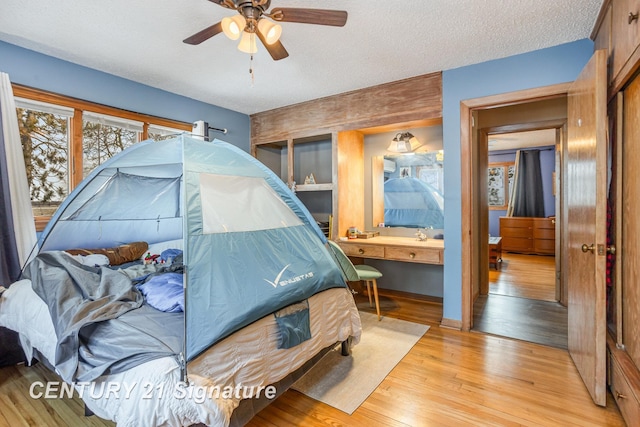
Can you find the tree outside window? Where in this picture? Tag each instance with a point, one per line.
(100, 142)
(57, 156)
(45, 146)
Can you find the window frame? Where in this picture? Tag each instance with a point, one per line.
(506, 184)
(76, 126)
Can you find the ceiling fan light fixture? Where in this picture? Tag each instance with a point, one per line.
(233, 27)
(270, 30)
(248, 43)
(404, 142)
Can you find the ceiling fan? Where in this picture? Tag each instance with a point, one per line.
(251, 22)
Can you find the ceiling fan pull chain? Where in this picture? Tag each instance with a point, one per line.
(251, 70)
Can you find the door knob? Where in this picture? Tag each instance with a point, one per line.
(611, 250)
(586, 248)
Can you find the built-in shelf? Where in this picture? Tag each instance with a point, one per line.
(296, 159)
(314, 187)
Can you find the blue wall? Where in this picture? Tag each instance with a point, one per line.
(39, 71)
(544, 67)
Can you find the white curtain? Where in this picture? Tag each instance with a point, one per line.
(19, 197)
(514, 187)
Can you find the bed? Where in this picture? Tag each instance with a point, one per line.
(227, 383)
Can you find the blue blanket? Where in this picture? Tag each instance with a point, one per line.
(164, 292)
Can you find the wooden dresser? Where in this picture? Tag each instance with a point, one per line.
(528, 235)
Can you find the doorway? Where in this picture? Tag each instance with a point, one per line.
(524, 111)
(521, 296)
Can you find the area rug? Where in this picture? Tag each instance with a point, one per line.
(344, 382)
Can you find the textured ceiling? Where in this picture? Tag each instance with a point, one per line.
(518, 140)
(383, 41)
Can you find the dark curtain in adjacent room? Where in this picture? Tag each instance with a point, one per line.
(529, 198)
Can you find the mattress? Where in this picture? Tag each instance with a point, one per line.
(241, 366)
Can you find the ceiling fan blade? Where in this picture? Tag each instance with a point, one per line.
(205, 34)
(276, 50)
(336, 18)
(224, 3)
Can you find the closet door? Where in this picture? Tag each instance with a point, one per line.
(586, 216)
(630, 224)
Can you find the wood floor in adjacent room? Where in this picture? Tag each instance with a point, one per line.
(521, 302)
(449, 378)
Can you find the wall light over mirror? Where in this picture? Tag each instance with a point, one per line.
(404, 142)
(407, 191)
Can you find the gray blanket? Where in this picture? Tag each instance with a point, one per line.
(101, 324)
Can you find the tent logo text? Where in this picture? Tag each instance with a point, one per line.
(279, 282)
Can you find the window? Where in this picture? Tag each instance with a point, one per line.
(160, 133)
(64, 139)
(103, 137)
(44, 135)
(500, 182)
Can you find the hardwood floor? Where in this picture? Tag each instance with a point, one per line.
(453, 378)
(521, 302)
(541, 322)
(449, 378)
(524, 276)
(17, 408)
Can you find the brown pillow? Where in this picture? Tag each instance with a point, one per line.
(117, 255)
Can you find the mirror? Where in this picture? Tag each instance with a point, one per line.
(407, 190)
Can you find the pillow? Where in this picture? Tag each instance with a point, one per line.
(158, 247)
(117, 255)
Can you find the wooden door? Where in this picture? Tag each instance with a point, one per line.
(586, 218)
(628, 313)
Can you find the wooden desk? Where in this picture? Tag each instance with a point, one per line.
(406, 249)
(495, 252)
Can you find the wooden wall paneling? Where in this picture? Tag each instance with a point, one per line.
(564, 222)
(76, 146)
(560, 288)
(601, 34)
(625, 38)
(619, 106)
(350, 181)
(624, 33)
(467, 207)
(631, 224)
(482, 183)
(415, 98)
(377, 190)
(290, 162)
